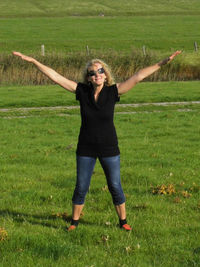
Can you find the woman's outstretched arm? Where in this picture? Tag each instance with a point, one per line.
(143, 73)
(50, 73)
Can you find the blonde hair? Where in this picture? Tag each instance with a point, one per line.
(109, 78)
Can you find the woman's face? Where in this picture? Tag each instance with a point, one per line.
(96, 75)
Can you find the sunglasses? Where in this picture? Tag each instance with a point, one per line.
(92, 72)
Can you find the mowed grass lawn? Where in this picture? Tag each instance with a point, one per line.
(37, 163)
(33, 8)
(67, 34)
(54, 95)
(71, 25)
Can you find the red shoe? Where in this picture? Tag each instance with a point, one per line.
(71, 228)
(126, 227)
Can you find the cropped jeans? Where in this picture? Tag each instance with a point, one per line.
(85, 167)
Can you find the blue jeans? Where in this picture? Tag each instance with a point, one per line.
(111, 167)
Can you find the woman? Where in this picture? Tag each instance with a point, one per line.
(97, 139)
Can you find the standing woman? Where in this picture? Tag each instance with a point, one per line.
(97, 139)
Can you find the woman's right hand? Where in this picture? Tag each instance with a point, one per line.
(24, 57)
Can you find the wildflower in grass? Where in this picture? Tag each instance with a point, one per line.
(63, 215)
(3, 234)
(159, 190)
(171, 189)
(186, 194)
(128, 249)
(177, 200)
(105, 188)
(164, 189)
(105, 238)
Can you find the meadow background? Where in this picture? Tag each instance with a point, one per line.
(126, 34)
(39, 126)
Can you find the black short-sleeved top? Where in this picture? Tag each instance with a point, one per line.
(97, 136)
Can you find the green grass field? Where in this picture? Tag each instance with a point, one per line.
(71, 25)
(63, 8)
(38, 177)
(66, 34)
(159, 144)
(51, 96)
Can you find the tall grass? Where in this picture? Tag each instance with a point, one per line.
(14, 71)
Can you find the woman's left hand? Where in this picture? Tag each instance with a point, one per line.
(174, 54)
(169, 59)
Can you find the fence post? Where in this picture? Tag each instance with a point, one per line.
(195, 46)
(144, 50)
(88, 51)
(42, 50)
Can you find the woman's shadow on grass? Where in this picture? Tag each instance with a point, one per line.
(46, 220)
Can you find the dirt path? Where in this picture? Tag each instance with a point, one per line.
(23, 112)
(118, 105)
